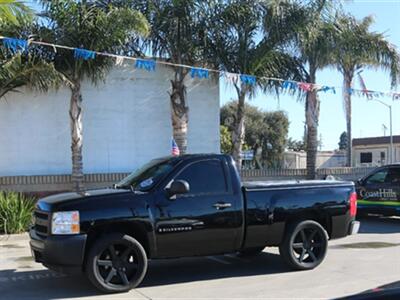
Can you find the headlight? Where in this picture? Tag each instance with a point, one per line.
(65, 222)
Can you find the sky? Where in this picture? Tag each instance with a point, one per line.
(368, 116)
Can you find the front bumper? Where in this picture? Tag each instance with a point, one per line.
(62, 253)
(354, 227)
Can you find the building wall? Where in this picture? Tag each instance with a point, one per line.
(126, 122)
(376, 154)
(325, 159)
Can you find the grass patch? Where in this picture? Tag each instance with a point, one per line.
(15, 212)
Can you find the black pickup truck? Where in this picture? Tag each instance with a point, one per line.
(187, 206)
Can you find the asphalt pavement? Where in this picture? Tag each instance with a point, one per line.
(353, 265)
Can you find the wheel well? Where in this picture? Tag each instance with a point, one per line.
(134, 230)
(322, 219)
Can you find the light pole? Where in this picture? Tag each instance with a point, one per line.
(390, 129)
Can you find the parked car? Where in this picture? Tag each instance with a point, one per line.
(379, 191)
(191, 205)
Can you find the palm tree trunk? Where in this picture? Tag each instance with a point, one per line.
(238, 132)
(179, 111)
(312, 118)
(347, 104)
(75, 114)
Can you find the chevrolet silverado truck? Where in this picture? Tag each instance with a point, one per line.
(190, 205)
(379, 191)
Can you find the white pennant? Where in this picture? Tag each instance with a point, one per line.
(119, 60)
(231, 77)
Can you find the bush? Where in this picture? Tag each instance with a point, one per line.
(15, 212)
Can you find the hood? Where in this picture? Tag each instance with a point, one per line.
(51, 202)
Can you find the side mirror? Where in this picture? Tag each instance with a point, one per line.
(178, 187)
(359, 181)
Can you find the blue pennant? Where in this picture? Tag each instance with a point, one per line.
(84, 54)
(198, 72)
(289, 85)
(149, 65)
(248, 79)
(15, 45)
(327, 88)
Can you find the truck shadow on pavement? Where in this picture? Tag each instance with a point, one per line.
(45, 284)
(163, 272)
(379, 224)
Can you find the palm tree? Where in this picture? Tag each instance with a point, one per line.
(16, 69)
(235, 45)
(83, 24)
(357, 48)
(177, 36)
(314, 36)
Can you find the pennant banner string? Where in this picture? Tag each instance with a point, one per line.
(15, 45)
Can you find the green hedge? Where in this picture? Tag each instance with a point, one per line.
(16, 212)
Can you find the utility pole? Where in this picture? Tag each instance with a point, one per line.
(391, 135)
(390, 128)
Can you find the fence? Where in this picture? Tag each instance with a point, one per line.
(54, 183)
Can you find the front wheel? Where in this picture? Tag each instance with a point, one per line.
(304, 246)
(116, 263)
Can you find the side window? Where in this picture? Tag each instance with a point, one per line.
(378, 177)
(393, 176)
(204, 177)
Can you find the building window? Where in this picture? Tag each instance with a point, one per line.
(383, 157)
(366, 157)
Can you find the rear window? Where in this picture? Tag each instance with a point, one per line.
(393, 175)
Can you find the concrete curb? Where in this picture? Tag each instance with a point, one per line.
(14, 237)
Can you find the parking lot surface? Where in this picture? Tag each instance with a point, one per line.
(353, 265)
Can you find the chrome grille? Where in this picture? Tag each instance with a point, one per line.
(42, 223)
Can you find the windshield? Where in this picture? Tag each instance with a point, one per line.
(147, 176)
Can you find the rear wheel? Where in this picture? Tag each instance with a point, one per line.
(304, 246)
(116, 263)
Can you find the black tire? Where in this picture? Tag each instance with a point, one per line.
(250, 252)
(304, 245)
(116, 263)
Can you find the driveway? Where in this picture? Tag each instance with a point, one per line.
(355, 264)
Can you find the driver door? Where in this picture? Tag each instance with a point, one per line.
(203, 221)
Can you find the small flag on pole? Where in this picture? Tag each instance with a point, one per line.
(175, 148)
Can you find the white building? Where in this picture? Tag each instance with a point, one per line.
(325, 159)
(374, 151)
(126, 123)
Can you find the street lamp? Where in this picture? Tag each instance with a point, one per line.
(391, 132)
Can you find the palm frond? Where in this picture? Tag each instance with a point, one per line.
(88, 25)
(356, 47)
(11, 11)
(26, 70)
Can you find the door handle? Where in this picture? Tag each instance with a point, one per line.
(222, 205)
